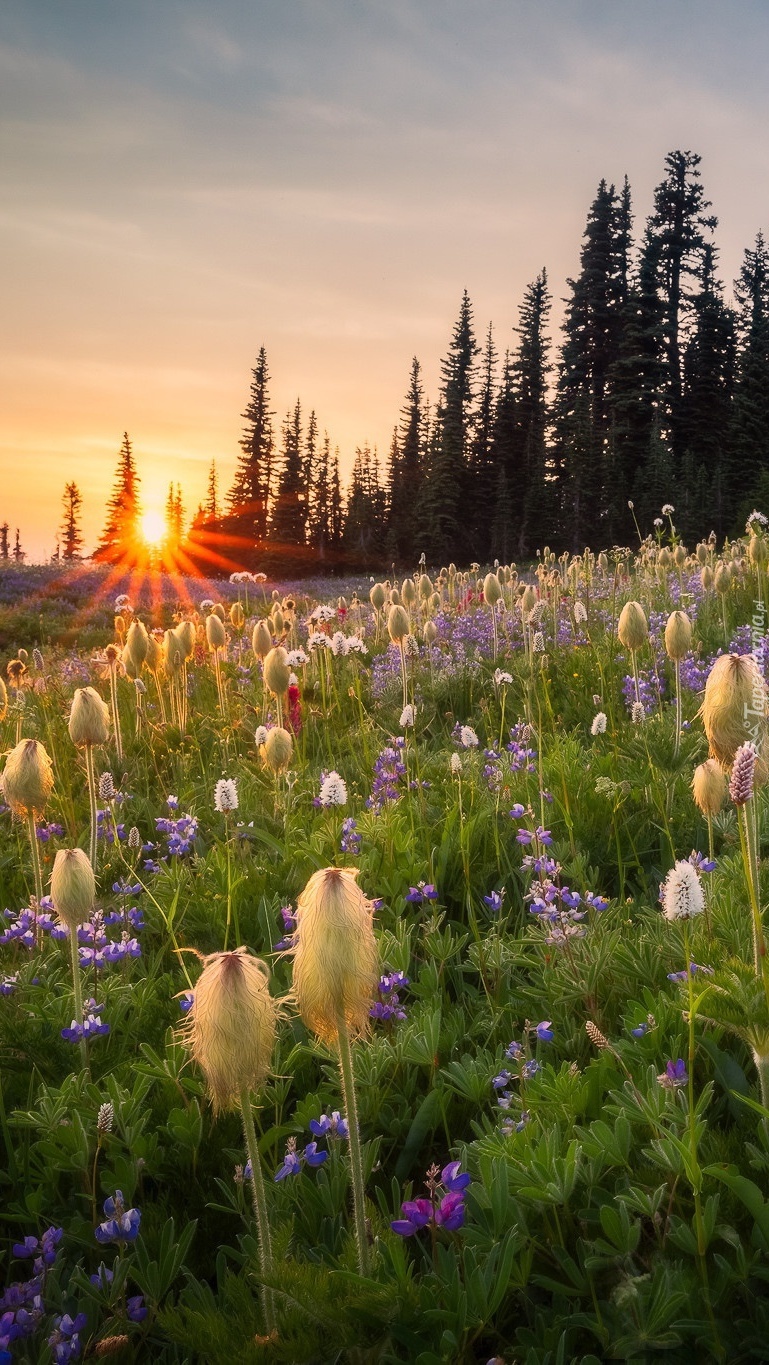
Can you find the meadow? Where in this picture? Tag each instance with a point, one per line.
(383, 972)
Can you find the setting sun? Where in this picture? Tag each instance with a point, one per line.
(153, 527)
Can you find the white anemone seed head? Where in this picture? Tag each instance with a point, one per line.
(230, 1029)
(335, 955)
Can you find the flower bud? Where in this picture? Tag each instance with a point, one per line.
(632, 628)
(709, 787)
(237, 616)
(735, 694)
(230, 1029)
(335, 957)
(261, 640)
(678, 635)
(73, 886)
(277, 673)
(278, 622)
(377, 596)
(492, 592)
(27, 779)
(277, 749)
(88, 718)
(397, 623)
(216, 635)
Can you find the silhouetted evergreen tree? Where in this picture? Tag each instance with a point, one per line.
(120, 540)
(174, 518)
(71, 526)
(682, 227)
(18, 553)
(636, 396)
(211, 508)
(481, 480)
(288, 524)
(446, 485)
(336, 505)
(749, 438)
(533, 476)
(406, 474)
(249, 497)
(319, 528)
(706, 409)
(502, 457)
(4, 549)
(365, 514)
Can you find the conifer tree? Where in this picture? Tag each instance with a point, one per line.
(120, 540)
(636, 398)
(289, 514)
(212, 493)
(533, 480)
(748, 471)
(336, 507)
(481, 473)
(319, 530)
(4, 550)
(504, 449)
(18, 553)
(250, 496)
(405, 482)
(446, 490)
(71, 528)
(682, 227)
(706, 408)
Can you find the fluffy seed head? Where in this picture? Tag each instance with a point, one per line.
(186, 635)
(682, 896)
(73, 886)
(27, 779)
(88, 718)
(377, 596)
(397, 623)
(154, 654)
(3, 700)
(679, 556)
(277, 672)
(430, 632)
(277, 749)
(137, 644)
(632, 627)
(706, 577)
(126, 659)
(278, 622)
(216, 635)
(218, 610)
(173, 653)
(492, 591)
(709, 787)
(425, 587)
(678, 635)
(230, 1029)
(335, 958)
(237, 616)
(408, 592)
(15, 672)
(261, 640)
(723, 579)
(528, 600)
(758, 551)
(734, 703)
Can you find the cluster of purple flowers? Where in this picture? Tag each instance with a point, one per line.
(180, 835)
(21, 1303)
(423, 891)
(136, 1310)
(694, 969)
(47, 830)
(106, 828)
(64, 1340)
(495, 900)
(528, 1067)
(522, 755)
(92, 1025)
(289, 929)
(351, 839)
(331, 1126)
(444, 1207)
(389, 1006)
(651, 688)
(121, 1224)
(29, 925)
(97, 951)
(389, 776)
(675, 1075)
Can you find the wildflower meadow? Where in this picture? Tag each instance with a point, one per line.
(383, 970)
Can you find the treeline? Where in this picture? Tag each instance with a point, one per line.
(658, 391)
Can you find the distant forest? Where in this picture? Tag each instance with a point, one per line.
(657, 391)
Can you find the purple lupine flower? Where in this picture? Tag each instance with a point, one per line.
(121, 1225)
(674, 1076)
(312, 1156)
(418, 1213)
(450, 1213)
(544, 1032)
(452, 1180)
(495, 900)
(332, 1125)
(291, 1164)
(135, 1308)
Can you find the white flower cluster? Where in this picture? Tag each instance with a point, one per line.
(333, 790)
(580, 611)
(502, 679)
(317, 640)
(682, 895)
(468, 738)
(346, 644)
(226, 795)
(322, 615)
(599, 724)
(297, 658)
(407, 716)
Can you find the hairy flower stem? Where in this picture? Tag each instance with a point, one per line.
(260, 1206)
(91, 779)
(635, 676)
(77, 992)
(356, 1155)
(404, 674)
(116, 714)
(678, 709)
(35, 852)
(750, 862)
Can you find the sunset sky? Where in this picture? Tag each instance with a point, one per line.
(184, 182)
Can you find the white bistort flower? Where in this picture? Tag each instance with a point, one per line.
(682, 896)
(260, 734)
(502, 679)
(468, 738)
(456, 764)
(226, 795)
(296, 658)
(580, 610)
(407, 716)
(333, 790)
(599, 724)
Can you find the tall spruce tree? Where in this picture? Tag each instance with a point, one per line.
(446, 486)
(406, 474)
(120, 540)
(211, 507)
(71, 527)
(481, 473)
(502, 456)
(706, 409)
(683, 228)
(4, 547)
(288, 524)
(533, 476)
(747, 475)
(636, 398)
(319, 532)
(250, 495)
